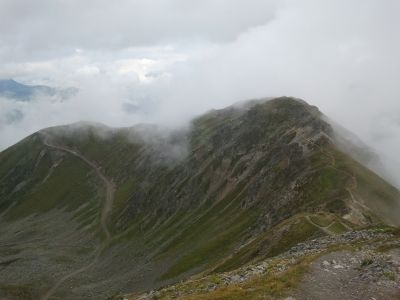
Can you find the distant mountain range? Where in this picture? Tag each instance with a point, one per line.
(21, 92)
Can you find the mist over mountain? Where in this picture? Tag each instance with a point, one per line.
(21, 92)
(166, 64)
(88, 211)
(162, 150)
(22, 106)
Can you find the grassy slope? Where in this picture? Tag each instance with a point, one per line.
(29, 163)
(242, 177)
(203, 234)
(49, 219)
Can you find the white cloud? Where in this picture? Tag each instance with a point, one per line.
(148, 61)
(56, 27)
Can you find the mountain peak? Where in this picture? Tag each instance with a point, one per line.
(148, 208)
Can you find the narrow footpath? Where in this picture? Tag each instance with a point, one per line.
(107, 205)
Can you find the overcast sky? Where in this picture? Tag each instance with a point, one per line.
(167, 60)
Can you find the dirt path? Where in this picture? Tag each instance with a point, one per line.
(354, 184)
(109, 185)
(356, 204)
(323, 228)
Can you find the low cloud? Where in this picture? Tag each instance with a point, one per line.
(168, 62)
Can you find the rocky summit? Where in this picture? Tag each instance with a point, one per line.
(259, 200)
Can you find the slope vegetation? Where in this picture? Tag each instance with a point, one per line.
(88, 211)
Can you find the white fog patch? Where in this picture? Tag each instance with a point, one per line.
(167, 62)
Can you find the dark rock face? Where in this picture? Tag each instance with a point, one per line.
(182, 202)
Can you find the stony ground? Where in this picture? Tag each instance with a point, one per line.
(355, 265)
(352, 275)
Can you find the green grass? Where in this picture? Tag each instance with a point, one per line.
(298, 232)
(238, 197)
(66, 188)
(205, 220)
(322, 220)
(337, 228)
(277, 240)
(331, 222)
(210, 249)
(366, 261)
(388, 247)
(390, 275)
(271, 285)
(123, 192)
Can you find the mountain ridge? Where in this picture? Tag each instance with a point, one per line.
(213, 198)
(10, 88)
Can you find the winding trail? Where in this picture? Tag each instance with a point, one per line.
(354, 184)
(351, 188)
(323, 228)
(109, 185)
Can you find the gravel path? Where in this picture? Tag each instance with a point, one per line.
(103, 220)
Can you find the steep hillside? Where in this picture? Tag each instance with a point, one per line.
(89, 211)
